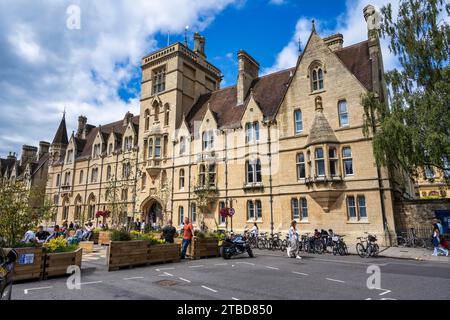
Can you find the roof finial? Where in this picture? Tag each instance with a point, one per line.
(313, 25)
(64, 113)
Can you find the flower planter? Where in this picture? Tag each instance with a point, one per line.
(87, 246)
(127, 254)
(95, 237)
(203, 248)
(56, 264)
(163, 253)
(29, 264)
(104, 238)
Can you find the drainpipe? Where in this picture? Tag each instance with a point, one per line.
(269, 140)
(173, 183)
(135, 181)
(226, 176)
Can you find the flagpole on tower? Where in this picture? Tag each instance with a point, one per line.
(185, 36)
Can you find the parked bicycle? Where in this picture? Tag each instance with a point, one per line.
(339, 246)
(367, 246)
(410, 239)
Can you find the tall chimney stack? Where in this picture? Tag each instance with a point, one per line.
(82, 122)
(248, 71)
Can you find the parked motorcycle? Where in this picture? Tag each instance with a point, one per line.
(235, 246)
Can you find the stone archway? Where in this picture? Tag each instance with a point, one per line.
(152, 212)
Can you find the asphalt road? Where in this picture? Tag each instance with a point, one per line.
(268, 276)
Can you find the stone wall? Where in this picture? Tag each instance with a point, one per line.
(417, 214)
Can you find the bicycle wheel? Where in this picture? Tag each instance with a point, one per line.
(418, 243)
(261, 244)
(283, 245)
(401, 242)
(360, 250)
(375, 250)
(318, 248)
(344, 249)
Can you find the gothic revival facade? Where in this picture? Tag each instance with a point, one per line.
(276, 148)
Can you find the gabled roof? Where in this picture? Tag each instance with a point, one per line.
(267, 92)
(321, 131)
(61, 133)
(117, 127)
(357, 60)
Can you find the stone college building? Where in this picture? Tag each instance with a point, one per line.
(275, 148)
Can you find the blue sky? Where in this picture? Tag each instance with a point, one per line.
(95, 71)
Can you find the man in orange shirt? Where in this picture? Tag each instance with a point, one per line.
(188, 234)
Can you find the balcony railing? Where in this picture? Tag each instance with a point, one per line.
(323, 180)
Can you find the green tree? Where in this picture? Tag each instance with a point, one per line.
(206, 194)
(414, 131)
(16, 214)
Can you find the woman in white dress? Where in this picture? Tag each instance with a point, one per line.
(292, 249)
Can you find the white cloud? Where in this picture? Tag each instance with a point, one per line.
(45, 67)
(351, 24)
(278, 2)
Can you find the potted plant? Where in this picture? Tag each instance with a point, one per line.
(59, 255)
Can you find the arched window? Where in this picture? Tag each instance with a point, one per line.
(320, 162)
(58, 180)
(181, 178)
(110, 149)
(94, 175)
(156, 111)
(343, 113)
(317, 79)
(298, 118)
(108, 173)
(208, 140)
(347, 161)
(147, 120)
(81, 177)
(66, 208)
(182, 145)
(144, 181)
(126, 170)
(254, 171)
(167, 115)
(301, 166)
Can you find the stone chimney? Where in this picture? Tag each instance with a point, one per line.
(199, 45)
(12, 156)
(248, 71)
(82, 122)
(128, 118)
(335, 41)
(29, 154)
(44, 148)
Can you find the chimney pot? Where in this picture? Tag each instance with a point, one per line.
(248, 71)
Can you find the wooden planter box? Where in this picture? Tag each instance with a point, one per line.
(139, 253)
(95, 237)
(29, 264)
(127, 254)
(164, 253)
(87, 246)
(56, 263)
(203, 248)
(104, 238)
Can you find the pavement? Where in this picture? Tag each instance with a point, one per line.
(407, 253)
(268, 276)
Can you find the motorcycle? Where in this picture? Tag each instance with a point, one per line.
(235, 246)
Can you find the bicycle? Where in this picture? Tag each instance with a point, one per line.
(367, 247)
(410, 239)
(339, 246)
(262, 241)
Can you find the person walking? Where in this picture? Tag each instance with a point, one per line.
(168, 232)
(188, 234)
(292, 249)
(437, 242)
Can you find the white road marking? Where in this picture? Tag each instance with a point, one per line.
(236, 299)
(386, 292)
(368, 299)
(302, 274)
(247, 263)
(26, 291)
(351, 262)
(334, 280)
(204, 287)
(185, 280)
(163, 269)
(168, 274)
(221, 264)
(199, 266)
(93, 282)
(273, 268)
(133, 278)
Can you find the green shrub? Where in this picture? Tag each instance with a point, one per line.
(120, 235)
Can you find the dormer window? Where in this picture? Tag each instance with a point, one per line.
(159, 80)
(69, 156)
(97, 150)
(128, 143)
(208, 140)
(110, 149)
(317, 81)
(252, 132)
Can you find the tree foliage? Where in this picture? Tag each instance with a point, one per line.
(16, 214)
(414, 131)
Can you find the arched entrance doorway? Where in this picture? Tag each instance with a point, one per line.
(153, 212)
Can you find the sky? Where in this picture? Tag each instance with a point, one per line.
(51, 61)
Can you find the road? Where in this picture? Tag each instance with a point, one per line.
(268, 276)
